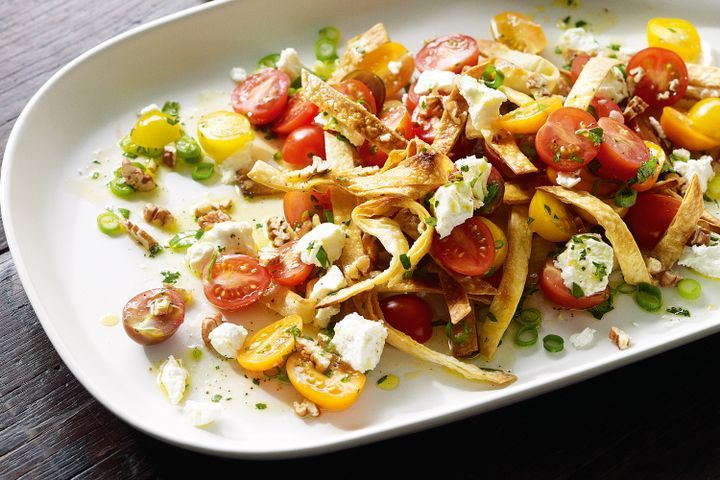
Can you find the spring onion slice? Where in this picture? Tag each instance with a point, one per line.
(553, 343)
(203, 171)
(109, 223)
(526, 336)
(648, 297)
(689, 289)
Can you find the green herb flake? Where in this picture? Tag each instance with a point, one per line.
(170, 277)
(322, 257)
(261, 406)
(405, 260)
(216, 398)
(683, 312)
(432, 221)
(577, 291)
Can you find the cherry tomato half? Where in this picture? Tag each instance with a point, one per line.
(468, 250)
(563, 143)
(236, 281)
(301, 206)
(495, 178)
(650, 217)
(665, 77)
(397, 118)
(289, 271)
(622, 151)
(358, 92)
(302, 144)
(578, 63)
(299, 112)
(147, 329)
(263, 96)
(450, 52)
(553, 288)
(681, 129)
(603, 107)
(268, 347)
(410, 314)
(330, 392)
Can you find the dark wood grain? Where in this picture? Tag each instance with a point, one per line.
(656, 419)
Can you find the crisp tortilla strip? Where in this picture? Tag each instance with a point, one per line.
(626, 250)
(520, 191)
(703, 76)
(516, 97)
(457, 300)
(338, 153)
(503, 143)
(286, 302)
(350, 114)
(354, 261)
(389, 233)
(515, 270)
(356, 49)
(467, 327)
(475, 286)
(683, 225)
(698, 93)
(709, 222)
(525, 72)
(290, 180)
(589, 81)
(411, 286)
(452, 122)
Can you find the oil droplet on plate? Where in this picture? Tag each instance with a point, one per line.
(109, 320)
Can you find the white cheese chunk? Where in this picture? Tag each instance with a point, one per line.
(232, 237)
(475, 172)
(704, 259)
(587, 262)
(578, 40)
(568, 179)
(681, 154)
(200, 414)
(453, 204)
(173, 378)
(290, 63)
(199, 255)
(359, 341)
(483, 104)
(326, 236)
(435, 80)
(394, 67)
(323, 315)
(583, 339)
(238, 75)
(227, 338)
(331, 282)
(614, 86)
(701, 167)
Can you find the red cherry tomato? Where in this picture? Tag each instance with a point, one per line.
(468, 250)
(358, 92)
(622, 151)
(236, 281)
(396, 117)
(302, 144)
(148, 329)
(410, 314)
(552, 286)
(560, 146)
(371, 155)
(263, 96)
(299, 112)
(412, 99)
(494, 179)
(578, 63)
(289, 271)
(602, 107)
(664, 79)
(301, 206)
(450, 52)
(650, 217)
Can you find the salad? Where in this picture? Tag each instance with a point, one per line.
(473, 173)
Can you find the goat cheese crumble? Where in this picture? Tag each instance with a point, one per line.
(359, 341)
(200, 414)
(585, 264)
(331, 282)
(227, 338)
(483, 104)
(173, 378)
(321, 246)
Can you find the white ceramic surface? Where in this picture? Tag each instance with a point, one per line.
(74, 275)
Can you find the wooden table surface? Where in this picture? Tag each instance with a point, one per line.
(656, 419)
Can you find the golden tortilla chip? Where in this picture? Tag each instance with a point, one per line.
(452, 122)
(709, 222)
(521, 190)
(412, 285)
(351, 114)
(504, 145)
(457, 300)
(356, 49)
(515, 270)
(698, 93)
(286, 302)
(703, 76)
(516, 97)
(683, 225)
(626, 250)
(524, 72)
(354, 261)
(589, 81)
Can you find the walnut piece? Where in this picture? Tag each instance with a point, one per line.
(315, 353)
(157, 215)
(279, 230)
(145, 240)
(699, 237)
(210, 323)
(621, 339)
(635, 107)
(668, 279)
(305, 408)
(653, 265)
(207, 207)
(207, 221)
(136, 177)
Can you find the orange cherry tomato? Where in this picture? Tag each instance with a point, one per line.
(336, 391)
(236, 281)
(377, 61)
(529, 118)
(680, 129)
(268, 347)
(518, 31)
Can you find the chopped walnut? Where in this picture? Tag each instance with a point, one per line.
(315, 353)
(279, 230)
(210, 323)
(207, 207)
(699, 237)
(136, 177)
(537, 85)
(145, 240)
(250, 188)
(580, 225)
(668, 279)
(621, 339)
(159, 305)
(268, 256)
(653, 265)
(635, 107)
(155, 214)
(318, 167)
(211, 218)
(305, 408)
(358, 268)
(169, 156)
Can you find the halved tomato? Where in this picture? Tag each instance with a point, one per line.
(564, 142)
(301, 206)
(268, 347)
(289, 271)
(468, 250)
(298, 113)
(147, 329)
(410, 314)
(303, 144)
(664, 78)
(529, 118)
(603, 107)
(650, 217)
(682, 131)
(263, 96)
(236, 281)
(358, 92)
(622, 151)
(334, 390)
(449, 52)
(553, 288)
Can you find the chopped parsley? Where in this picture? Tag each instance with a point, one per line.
(322, 257)
(464, 168)
(646, 170)
(607, 305)
(577, 291)
(216, 398)
(172, 109)
(600, 270)
(294, 331)
(595, 135)
(432, 221)
(405, 260)
(261, 406)
(329, 217)
(170, 277)
(683, 312)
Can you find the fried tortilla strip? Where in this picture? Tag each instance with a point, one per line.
(372, 218)
(589, 81)
(286, 302)
(289, 180)
(338, 153)
(524, 72)
(452, 122)
(698, 93)
(683, 225)
(411, 286)
(709, 222)
(465, 343)
(356, 49)
(354, 261)
(515, 270)
(520, 191)
(473, 286)
(457, 300)
(516, 97)
(703, 76)
(351, 114)
(626, 250)
(503, 143)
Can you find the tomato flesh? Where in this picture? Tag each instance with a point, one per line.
(301, 206)
(622, 151)
(236, 281)
(578, 63)
(449, 52)
(553, 288)
(299, 112)
(650, 217)
(558, 143)
(603, 107)
(262, 96)
(665, 77)
(358, 92)
(289, 271)
(468, 250)
(268, 347)
(147, 329)
(410, 314)
(303, 144)
(336, 391)
(396, 117)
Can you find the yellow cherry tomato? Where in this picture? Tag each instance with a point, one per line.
(518, 31)
(501, 244)
(267, 348)
(529, 118)
(377, 61)
(223, 133)
(551, 219)
(675, 34)
(705, 116)
(336, 389)
(657, 152)
(682, 131)
(155, 129)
